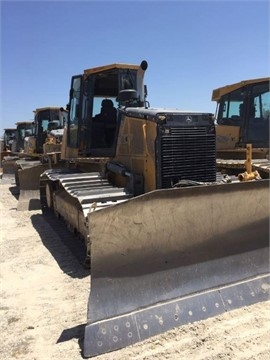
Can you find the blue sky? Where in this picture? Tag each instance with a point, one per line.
(191, 47)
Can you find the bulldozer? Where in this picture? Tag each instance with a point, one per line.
(24, 129)
(41, 151)
(8, 138)
(169, 239)
(49, 125)
(242, 116)
(8, 147)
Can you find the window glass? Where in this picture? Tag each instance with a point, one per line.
(97, 104)
(74, 112)
(43, 119)
(258, 116)
(128, 79)
(75, 100)
(231, 109)
(104, 109)
(261, 101)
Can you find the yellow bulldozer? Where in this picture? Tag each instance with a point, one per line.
(7, 145)
(9, 137)
(242, 116)
(41, 151)
(169, 239)
(49, 125)
(24, 129)
(13, 142)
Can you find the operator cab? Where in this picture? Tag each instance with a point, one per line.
(245, 106)
(94, 106)
(24, 130)
(9, 138)
(47, 119)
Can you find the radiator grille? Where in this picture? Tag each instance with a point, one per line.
(187, 153)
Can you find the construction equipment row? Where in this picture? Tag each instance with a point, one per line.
(172, 205)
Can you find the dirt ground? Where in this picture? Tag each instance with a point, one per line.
(44, 294)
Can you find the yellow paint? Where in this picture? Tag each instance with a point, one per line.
(136, 148)
(227, 136)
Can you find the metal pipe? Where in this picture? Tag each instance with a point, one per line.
(249, 174)
(248, 163)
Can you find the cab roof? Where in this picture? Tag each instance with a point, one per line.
(217, 93)
(24, 122)
(49, 108)
(110, 67)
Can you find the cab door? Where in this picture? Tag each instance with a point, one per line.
(74, 118)
(258, 111)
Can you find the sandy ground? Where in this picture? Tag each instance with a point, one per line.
(44, 293)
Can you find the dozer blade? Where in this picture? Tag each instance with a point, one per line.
(176, 256)
(29, 182)
(8, 164)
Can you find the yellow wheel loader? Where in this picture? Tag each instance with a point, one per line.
(41, 151)
(169, 240)
(242, 115)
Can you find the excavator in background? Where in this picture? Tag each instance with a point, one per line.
(242, 115)
(169, 240)
(41, 151)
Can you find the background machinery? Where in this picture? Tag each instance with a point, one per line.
(41, 151)
(8, 138)
(24, 130)
(49, 126)
(169, 241)
(243, 112)
(7, 145)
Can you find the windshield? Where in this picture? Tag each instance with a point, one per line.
(9, 134)
(231, 108)
(44, 117)
(25, 130)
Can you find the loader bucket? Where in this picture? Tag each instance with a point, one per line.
(29, 179)
(176, 256)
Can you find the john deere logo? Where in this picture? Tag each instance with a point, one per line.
(189, 119)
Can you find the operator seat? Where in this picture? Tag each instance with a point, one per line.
(108, 115)
(104, 125)
(108, 112)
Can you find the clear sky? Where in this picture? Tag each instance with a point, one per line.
(191, 47)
